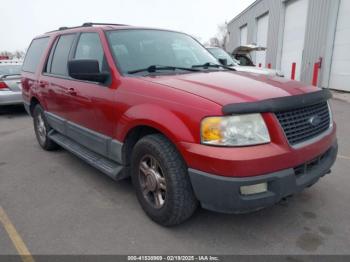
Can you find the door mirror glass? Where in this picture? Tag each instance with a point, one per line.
(86, 69)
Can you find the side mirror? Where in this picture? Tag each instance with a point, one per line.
(86, 69)
(223, 61)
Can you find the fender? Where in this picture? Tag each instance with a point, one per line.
(156, 117)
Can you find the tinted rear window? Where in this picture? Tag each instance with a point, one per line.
(59, 64)
(34, 54)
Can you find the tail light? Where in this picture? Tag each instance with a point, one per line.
(3, 86)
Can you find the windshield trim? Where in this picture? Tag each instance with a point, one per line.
(106, 32)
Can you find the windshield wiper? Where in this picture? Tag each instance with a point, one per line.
(155, 68)
(208, 65)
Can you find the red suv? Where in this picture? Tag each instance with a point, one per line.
(157, 106)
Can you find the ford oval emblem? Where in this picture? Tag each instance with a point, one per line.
(314, 120)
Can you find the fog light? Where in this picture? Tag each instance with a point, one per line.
(254, 189)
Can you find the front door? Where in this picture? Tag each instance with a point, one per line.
(93, 102)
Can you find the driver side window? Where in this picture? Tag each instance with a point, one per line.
(90, 47)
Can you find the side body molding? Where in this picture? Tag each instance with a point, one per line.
(94, 141)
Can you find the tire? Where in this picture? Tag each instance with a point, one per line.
(42, 128)
(174, 204)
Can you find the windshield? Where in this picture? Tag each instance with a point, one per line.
(141, 48)
(10, 69)
(222, 54)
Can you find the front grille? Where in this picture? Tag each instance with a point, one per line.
(310, 165)
(304, 123)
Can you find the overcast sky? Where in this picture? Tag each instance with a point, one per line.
(21, 20)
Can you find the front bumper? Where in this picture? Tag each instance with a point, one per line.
(222, 194)
(10, 98)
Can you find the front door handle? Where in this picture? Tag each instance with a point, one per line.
(71, 91)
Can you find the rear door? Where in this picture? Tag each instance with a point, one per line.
(31, 65)
(55, 82)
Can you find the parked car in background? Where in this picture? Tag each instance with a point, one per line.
(243, 55)
(10, 82)
(157, 106)
(225, 58)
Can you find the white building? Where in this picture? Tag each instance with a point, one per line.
(302, 32)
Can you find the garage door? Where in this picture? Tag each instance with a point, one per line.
(340, 70)
(293, 36)
(261, 39)
(244, 35)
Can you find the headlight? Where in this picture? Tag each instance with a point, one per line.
(240, 130)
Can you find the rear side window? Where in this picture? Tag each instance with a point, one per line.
(90, 47)
(34, 54)
(61, 54)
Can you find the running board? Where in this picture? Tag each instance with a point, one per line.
(106, 166)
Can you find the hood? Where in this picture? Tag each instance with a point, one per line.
(246, 49)
(223, 87)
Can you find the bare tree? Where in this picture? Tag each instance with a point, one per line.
(214, 41)
(6, 54)
(222, 34)
(18, 54)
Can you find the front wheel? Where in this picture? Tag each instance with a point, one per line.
(161, 180)
(42, 128)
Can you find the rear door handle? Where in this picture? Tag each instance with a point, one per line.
(71, 91)
(43, 83)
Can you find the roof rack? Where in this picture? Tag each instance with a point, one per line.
(92, 24)
(87, 24)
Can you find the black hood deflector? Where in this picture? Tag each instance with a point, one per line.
(278, 104)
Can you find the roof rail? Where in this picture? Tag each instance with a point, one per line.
(92, 24)
(88, 24)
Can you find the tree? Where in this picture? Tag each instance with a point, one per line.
(221, 36)
(18, 54)
(214, 41)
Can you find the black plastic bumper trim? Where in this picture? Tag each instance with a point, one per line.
(278, 104)
(222, 194)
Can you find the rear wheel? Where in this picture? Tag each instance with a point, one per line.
(42, 128)
(161, 181)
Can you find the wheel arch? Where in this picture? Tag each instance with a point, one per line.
(151, 119)
(33, 102)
